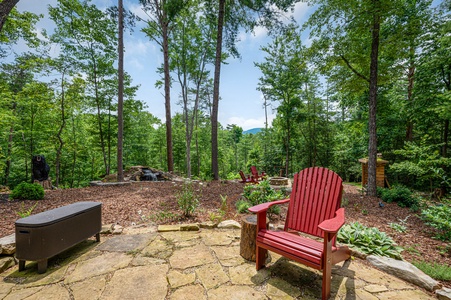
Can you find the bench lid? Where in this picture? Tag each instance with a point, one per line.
(58, 214)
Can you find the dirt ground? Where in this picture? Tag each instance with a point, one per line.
(142, 202)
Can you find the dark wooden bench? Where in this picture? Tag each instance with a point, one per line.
(41, 236)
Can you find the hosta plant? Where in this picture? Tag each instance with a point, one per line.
(368, 240)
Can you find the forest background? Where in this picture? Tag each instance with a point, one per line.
(65, 107)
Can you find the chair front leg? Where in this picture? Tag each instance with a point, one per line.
(261, 254)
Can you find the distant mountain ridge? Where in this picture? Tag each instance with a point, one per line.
(252, 131)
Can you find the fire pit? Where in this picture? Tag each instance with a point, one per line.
(278, 181)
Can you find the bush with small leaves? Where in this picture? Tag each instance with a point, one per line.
(259, 193)
(399, 194)
(27, 191)
(188, 199)
(439, 217)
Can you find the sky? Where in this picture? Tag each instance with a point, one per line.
(241, 104)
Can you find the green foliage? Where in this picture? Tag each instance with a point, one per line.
(27, 191)
(259, 193)
(25, 212)
(422, 164)
(435, 270)
(188, 199)
(439, 217)
(242, 206)
(399, 194)
(368, 240)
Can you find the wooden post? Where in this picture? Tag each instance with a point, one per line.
(46, 184)
(248, 237)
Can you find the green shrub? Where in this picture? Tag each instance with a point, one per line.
(399, 194)
(368, 240)
(242, 206)
(188, 199)
(439, 217)
(259, 193)
(27, 191)
(435, 270)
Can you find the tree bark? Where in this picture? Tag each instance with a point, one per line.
(372, 145)
(167, 94)
(120, 96)
(214, 114)
(5, 8)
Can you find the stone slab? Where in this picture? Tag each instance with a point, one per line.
(212, 275)
(126, 243)
(101, 264)
(191, 292)
(235, 293)
(191, 257)
(8, 244)
(144, 282)
(404, 270)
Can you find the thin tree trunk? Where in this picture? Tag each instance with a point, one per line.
(120, 97)
(372, 145)
(410, 85)
(214, 115)
(10, 147)
(167, 95)
(58, 135)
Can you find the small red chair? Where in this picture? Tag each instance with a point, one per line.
(313, 209)
(248, 179)
(255, 174)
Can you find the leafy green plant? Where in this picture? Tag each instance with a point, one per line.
(439, 217)
(224, 207)
(435, 270)
(399, 194)
(25, 212)
(368, 240)
(401, 226)
(188, 199)
(242, 206)
(27, 191)
(259, 193)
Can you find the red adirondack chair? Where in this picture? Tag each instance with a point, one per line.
(248, 179)
(255, 174)
(314, 209)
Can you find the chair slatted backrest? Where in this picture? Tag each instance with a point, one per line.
(315, 197)
(243, 177)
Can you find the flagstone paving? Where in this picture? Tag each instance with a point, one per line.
(145, 264)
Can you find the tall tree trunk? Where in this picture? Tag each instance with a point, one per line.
(167, 94)
(214, 114)
(58, 135)
(372, 145)
(120, 95)
(99, 118)
(5, 8)
(410, 85)
(10, 147)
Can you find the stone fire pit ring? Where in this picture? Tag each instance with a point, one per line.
(278, 181)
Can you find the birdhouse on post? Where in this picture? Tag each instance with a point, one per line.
(380, 171)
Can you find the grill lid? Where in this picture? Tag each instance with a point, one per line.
(55, 215)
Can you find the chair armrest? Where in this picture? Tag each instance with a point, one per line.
(265, 206)
(334, 224)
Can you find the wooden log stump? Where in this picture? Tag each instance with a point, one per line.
(248, 237)
(46, 184)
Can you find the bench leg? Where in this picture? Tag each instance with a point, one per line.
(21, 265)
(42, 266)
(98, 237)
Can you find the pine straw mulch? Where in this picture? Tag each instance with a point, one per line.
(143, 202)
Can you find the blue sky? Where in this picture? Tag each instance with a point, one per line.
(240, 104)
